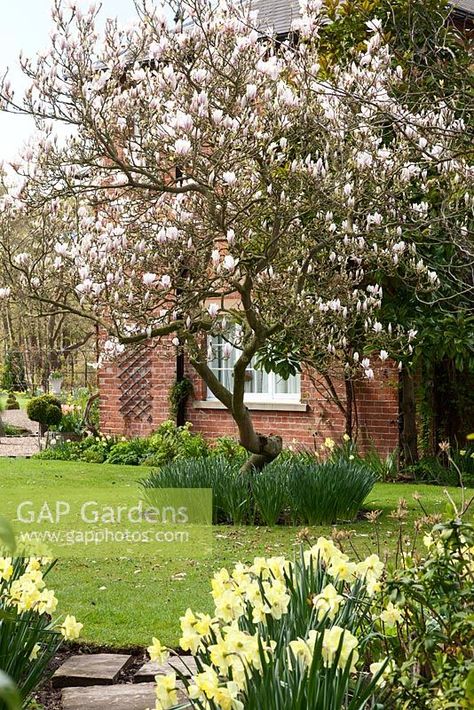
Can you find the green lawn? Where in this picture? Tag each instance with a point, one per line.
(124, 602)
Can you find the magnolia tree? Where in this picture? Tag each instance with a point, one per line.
(221, 183)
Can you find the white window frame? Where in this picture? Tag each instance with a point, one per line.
(271, 396)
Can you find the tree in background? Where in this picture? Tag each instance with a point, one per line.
(13, 372)
(36, 336)
(216, 183)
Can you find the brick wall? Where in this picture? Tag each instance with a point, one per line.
(123, 410)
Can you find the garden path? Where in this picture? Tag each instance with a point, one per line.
(19, 445)
(102, 680)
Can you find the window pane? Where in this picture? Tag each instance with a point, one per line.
(289, 386)
(258, 384)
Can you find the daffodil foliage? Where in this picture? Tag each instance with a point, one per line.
(29, 636)
(210, 175)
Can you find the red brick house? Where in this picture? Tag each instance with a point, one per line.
(134, 392)
(134, 400)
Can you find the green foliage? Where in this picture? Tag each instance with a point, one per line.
(179, 393)
(9, 696)
(45, 409)
(384, 467)
(12, 402)
(169, 442)
(279, 356)
(71, 422)
(128, 453)
(228, 447)
(325, 492)
(22, 632)
(297, 487)
(13, 373)
(434, 651)
(11, 430)
(446, 470)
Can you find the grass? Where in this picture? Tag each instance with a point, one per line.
(123, 603)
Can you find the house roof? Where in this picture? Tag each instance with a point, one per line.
(466, 7)
(277, 15)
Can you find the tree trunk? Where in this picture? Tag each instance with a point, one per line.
(349, 408)
(262, 449)
(407, 419)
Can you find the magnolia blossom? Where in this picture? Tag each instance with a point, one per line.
(149, 278)
(230, 178)
(182, 146)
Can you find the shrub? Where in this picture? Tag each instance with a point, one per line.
(128, 453)
(46, 410)
(92, 449)
(228, 447)
(433, 650)
(446, 470)
(177, 442)
(11, 430)
(12, 402)
(13, 372)
(169, 442)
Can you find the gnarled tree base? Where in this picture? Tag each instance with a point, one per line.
(270, 448)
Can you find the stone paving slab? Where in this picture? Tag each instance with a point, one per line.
(184, 664)
(91, 670)
(116, 697)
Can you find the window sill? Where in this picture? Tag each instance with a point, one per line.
(255, 406)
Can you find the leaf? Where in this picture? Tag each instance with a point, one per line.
(470, 686)
(7, 534)
(9, 693)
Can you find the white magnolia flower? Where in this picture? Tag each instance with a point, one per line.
(229, 178)
(182, 146)
(149, 278)
(229, 262)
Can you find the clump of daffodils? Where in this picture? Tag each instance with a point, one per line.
(283, 629)
(23, 589)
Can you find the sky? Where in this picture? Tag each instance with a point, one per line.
(24, 27)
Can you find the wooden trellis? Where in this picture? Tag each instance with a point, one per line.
(134, 372)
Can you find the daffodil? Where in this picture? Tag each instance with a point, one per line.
(327, 602)
(34, 652)
(391, 616)
(332, 642)
(6, 568)
(70, 628)
(166, 692)
(229, 605)
(157, 652)
(343, 570)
